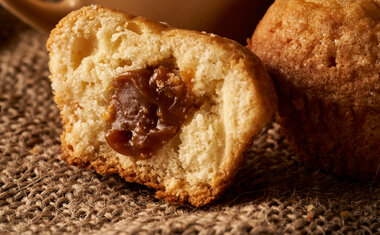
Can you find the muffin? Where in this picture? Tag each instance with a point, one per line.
(169, 108)
(324, 57)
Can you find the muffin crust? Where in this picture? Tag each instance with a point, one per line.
(324, 57)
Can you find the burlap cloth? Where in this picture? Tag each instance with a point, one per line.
(39, 193)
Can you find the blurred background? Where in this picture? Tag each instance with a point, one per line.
(240, 19)
(234, 19)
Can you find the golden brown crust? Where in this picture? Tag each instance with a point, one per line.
(105, 162)
(92, 13)
(324, 59)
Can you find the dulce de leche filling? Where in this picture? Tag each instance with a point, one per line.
(146, 110)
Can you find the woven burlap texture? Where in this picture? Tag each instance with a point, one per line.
(39, 193)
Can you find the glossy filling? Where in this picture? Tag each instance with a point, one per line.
(146, 110)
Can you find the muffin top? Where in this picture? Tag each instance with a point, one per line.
(328, 48)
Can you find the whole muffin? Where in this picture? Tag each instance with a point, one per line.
(324, 57)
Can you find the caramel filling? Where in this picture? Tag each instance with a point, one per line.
(146, 110)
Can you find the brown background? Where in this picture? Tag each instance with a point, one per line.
(273, 193)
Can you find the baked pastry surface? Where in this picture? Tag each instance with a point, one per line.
(234, 99)
(324, 57)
